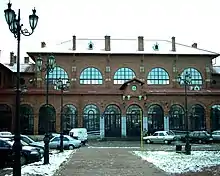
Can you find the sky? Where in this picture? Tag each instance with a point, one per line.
(188, 20)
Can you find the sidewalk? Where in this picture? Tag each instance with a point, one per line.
(107, 162)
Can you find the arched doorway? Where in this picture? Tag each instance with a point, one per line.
(112, 117)
(215, 117)
(133, 120)
(177, 117)
(91, 118)
(155, 118)
(197, 118)
(5, 117)
(27, 119)
(69, 118)
(47, 119)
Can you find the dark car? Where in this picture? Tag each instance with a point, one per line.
(200, 137)
(28, 154)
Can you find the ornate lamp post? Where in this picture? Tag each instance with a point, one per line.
(49, 66)
(62, 86)
(186, 80)
(16, 28)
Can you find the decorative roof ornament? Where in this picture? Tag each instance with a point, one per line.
(90, 45)
(156, 47)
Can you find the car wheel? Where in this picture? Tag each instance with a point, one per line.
(200, 141)
(23, 160)
(71, 147)
(147, 141)
(166, 142)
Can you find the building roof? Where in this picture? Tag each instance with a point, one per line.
(24, 68)
(122, 46)
(130, 81)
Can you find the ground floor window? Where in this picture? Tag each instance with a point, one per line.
(5, 117)
(176, 117)
(197, 118)
(215, 117)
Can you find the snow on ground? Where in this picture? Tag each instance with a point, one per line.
(38, 168)
(172, 162)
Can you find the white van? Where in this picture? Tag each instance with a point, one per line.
(79, 134)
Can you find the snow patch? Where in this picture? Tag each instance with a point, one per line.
(172, 162)
(39, 169)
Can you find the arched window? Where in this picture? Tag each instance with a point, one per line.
(55, 74)
(197, 117)
(122, 75)
(91, 75)
(133, 120)
(158, 76)
(6, 117)
(155, 118)
(177, 118)
(47, 119)
(112, 117)
(215, 117)
(91, 115)
(27, 119)
(69, 117)
(196, 77)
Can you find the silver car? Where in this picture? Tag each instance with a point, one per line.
(68, 142)
(165, 137)
(216, 135)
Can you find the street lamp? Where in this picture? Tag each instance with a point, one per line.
(49, 66)
(186, 80)
(62, 86)
(16, 28)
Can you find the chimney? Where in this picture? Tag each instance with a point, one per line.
(173, 44)
(194, 45)
(74, 42)
(26, 60)
(107, 43)
(140, 43)
(15, 59)
(43, 44)
(11, 59)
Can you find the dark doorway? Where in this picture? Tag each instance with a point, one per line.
(5, 117)
(27, 119)
(112, 117)
(133, 121)
(155, 118)
(47, 119)
(177, 117)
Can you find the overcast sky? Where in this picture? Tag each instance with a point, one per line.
(188, 20)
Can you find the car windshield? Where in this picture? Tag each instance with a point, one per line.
(22, 143)
(170, 133)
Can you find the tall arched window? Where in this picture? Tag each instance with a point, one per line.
(158, 76)
(27, 119)
(123, 74)
(69, 117)
(91, 118)
(196, 77)
(215, 117)
(197, 117)
(55, 74)
(177, 118)
(91, 75)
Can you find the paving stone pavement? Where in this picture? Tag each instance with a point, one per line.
(107, 162)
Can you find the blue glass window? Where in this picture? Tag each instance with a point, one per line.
(158, 76)
(122, 75)
(196, 77)
(91, 75)
(55, 74)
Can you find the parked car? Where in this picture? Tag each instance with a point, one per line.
(165, 137)
(200, 137)
(29, 141)
(216, 136)
(28, 154)
(5, 133)
(79, 134)
(68, 142)
(180, 135)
